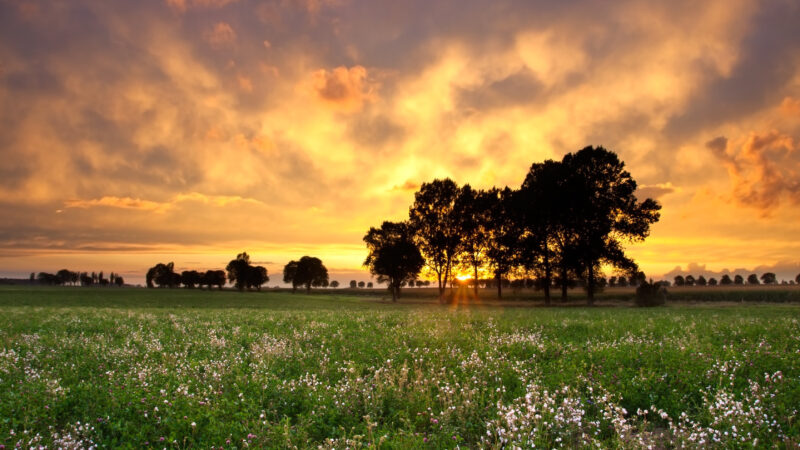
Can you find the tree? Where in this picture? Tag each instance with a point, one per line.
(64, 276)
(190, 278)
(257, 276)
(162, 275)
(679, 280)
(752, 279)
(712, 281)
(725, 280)
(119, 281)
(334, 284)
(622, 281)
(362, 284)
(213, 278)
(308, 271)
(48, 278)
(690, 281)
(603, 210)
(475, 225)
(612, 281)
(769, 278)
(239, 270)
(393, 256)
(701, 281)
(435, 222)
(353, 284)
(503, 234)
(369, 285)
(797, 279)
(738, 279)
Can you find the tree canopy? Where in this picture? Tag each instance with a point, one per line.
(393, 256)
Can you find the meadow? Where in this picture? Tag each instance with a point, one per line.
(137, 368)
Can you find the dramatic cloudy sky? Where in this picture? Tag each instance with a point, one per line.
(190, 130)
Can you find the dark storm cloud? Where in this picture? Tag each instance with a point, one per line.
(518, 89)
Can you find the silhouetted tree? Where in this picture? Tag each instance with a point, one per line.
(622, 281)
(86, 279)
(769, 278)
(612, 281)
(242, 274)
(308, 271)
(679, 280)
(213, 278)
(738, 279)
(435, 223)
(701, 281)
(119, 281)
(690, 281)
(334, 284)
(725, 280)
(393, 255)
(712, 281)
(190, 278)
(33, 277)
(475, 224)
(604, 210)
(369, 285)
(257, 276)
(48, 279)
(503, 244)
(162, 275)
(797, 279)
(64, 276)
(752, 279)
(353, 284)
(361, 284)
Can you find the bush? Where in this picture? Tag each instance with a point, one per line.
(651, 294)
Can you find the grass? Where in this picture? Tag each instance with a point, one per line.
(184, 369)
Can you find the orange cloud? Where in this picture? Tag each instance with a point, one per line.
(118, 202)
(221, 35)
(790, 106)
(343, 88)
(183, 5)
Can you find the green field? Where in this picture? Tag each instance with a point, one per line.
(197, 369)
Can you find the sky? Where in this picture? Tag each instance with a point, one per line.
(152, 131)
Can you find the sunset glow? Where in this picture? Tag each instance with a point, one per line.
(189, 131)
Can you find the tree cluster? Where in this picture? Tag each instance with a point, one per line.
(164, 275)
(307, 272)
(767, 278)
(568, 219)
(68, 277)
(243, 275)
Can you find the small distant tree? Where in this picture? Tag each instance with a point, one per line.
(256, 277)
(334, 284)
(64, 276)
(239, 270)
(353, 284)
(679, 280)
(769, 278)
(738, 279)
(213, 278)
(712, 281)
(190, 278)
(119, 281)
(369, 285)
(622, 282)
(361, 284)
(308, 271)
(725, 280)
(612, 281)
(701, 281)
(47, 278)
(752, 279)
(162, 275)
(393, 255)
(690, 281)
(85, 279)
(797, 279)
(33, 277)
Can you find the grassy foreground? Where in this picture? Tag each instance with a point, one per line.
(179, 369)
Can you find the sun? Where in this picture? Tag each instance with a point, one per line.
(463, 277)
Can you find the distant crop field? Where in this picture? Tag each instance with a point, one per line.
(198, 369)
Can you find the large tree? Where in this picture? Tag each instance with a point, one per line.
(393, 255)
(308, 271)
(504, 231)
(603, 211)
(475, 223)
(239, 270)
(162, 275)
(190, 278)
(435, 221)
(769, 278)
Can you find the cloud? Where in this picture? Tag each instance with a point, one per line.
(221, 35)
(183, 5)
(791, 106)
(764, 171)
(344, 88)
(655, 191)
(118, 202)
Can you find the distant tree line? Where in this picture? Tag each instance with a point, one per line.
(239, 271)
(567, 219)
(67, 277)
(767, 278)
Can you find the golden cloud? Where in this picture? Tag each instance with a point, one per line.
(160, 207)
(221, 35)
(343, 88)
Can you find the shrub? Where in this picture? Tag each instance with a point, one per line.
(651, 294)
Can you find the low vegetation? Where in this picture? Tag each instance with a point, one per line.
(190, 368)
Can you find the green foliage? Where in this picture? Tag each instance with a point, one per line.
(202, 369)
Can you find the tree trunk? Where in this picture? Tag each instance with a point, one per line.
(499, 285)
(590, 285)
(564, 282)
(395, 291)
(547, 276)
(476, 281)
